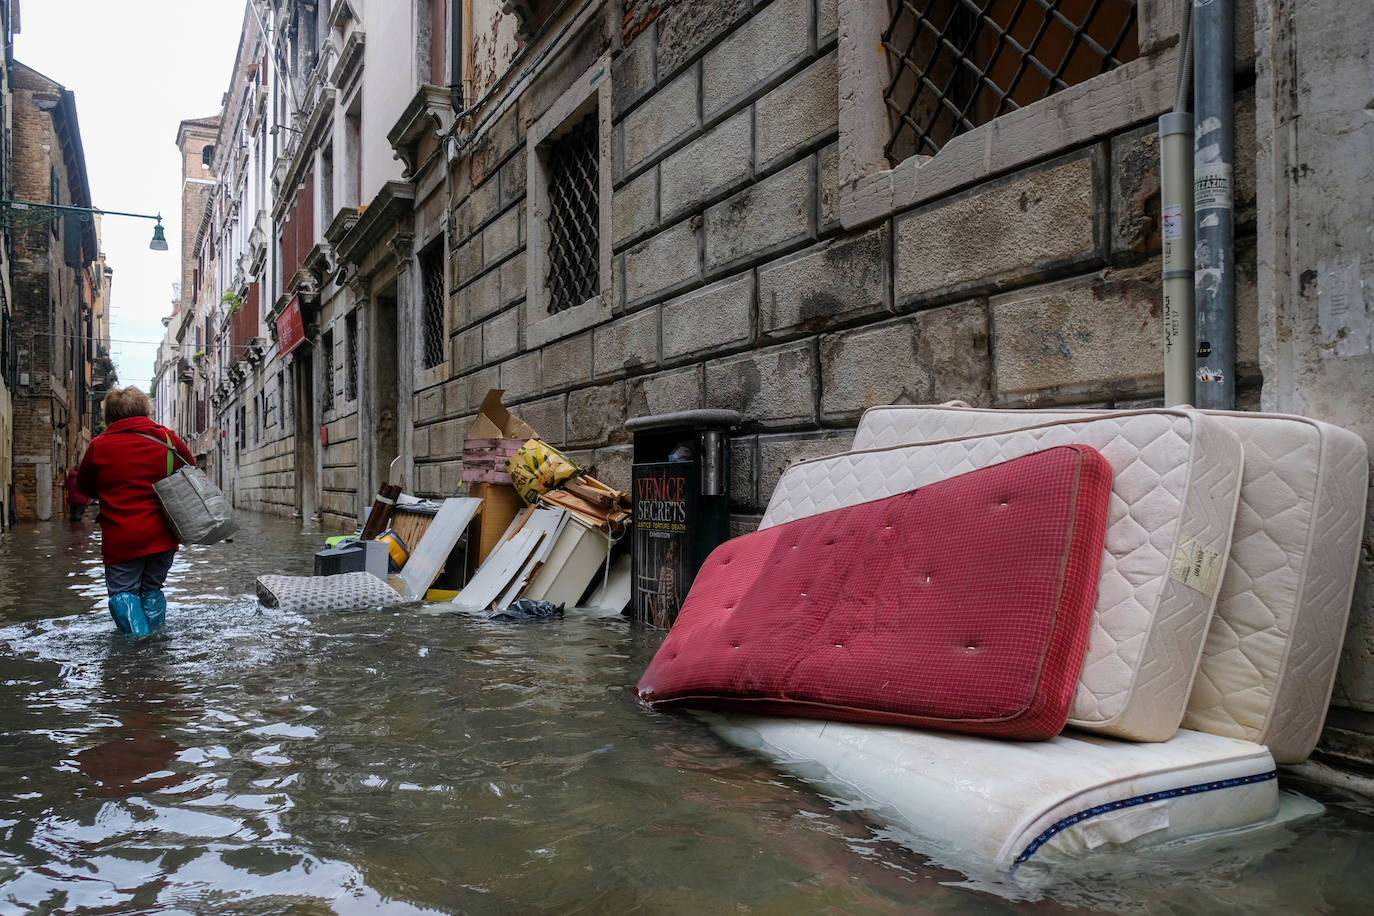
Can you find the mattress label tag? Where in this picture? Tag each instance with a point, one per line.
(1197, 567)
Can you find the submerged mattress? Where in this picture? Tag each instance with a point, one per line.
(964, 605)
(344, 592)
(1003, 804)
(1176, 480)
(1272, 650)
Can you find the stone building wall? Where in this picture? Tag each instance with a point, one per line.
(264, 475)
(735, 284)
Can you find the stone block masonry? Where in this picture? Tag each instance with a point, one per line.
(733, 283)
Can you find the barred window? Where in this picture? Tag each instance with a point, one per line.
(327, 354)
(957, 64)
(351, 356)
(574, 215)
(281, 398)
(432, 289)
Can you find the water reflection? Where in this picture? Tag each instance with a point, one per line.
(137, 749)
(413, 760)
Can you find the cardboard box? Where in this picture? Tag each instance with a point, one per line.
(492, 437)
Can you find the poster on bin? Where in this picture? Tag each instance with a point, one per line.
(664, 504)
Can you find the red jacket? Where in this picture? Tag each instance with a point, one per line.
(119, 470)
(74, 495)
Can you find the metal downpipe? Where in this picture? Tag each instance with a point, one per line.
(1213, 155)
(1176, 230)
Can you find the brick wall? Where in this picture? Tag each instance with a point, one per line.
(46, 311)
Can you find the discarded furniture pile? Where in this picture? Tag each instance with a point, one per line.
(1150, 603)
(534, 527)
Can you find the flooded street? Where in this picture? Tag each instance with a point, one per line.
(255, 761)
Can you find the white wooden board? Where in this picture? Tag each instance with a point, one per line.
(572, 564)
(493, 577)
(551, 523)
(613, 595)
(438, 542)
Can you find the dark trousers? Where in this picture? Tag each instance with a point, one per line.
(144, 574)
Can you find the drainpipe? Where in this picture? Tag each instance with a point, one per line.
(1213, 153)
(1176, 228)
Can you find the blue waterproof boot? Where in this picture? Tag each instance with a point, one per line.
(154, 608)
(127, 611)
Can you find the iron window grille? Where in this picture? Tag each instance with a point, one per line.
(432, 285)
(281, 397)
(327, 352)
(957, 64)
(574, 166)
(351, 356)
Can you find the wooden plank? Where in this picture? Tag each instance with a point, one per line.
(429, 556)
(492, 578)
(500, 505)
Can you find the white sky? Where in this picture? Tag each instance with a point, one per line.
(138, 68)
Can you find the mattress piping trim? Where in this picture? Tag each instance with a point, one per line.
(1078, 817)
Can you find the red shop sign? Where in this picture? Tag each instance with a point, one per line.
(290, 327)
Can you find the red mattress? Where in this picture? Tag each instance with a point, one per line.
(963, 605)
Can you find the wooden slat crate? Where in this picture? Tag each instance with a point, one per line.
(484, 460)
(411, 523)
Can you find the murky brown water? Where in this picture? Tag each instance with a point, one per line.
(254, 761)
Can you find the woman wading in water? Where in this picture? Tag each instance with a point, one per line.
(136, 542)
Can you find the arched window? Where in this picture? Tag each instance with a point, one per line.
(207, 156)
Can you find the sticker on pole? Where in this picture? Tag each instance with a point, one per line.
(1212, 186)
(1172, 216)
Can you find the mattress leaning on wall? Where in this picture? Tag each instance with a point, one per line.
(1176, 485)
(1274, 644)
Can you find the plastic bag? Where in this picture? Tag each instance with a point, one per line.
(526, 610)
(538, 468)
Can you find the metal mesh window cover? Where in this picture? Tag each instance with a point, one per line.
(957, 64)
(351, 356)
(432, 289)
(574, 165)
(327, 354)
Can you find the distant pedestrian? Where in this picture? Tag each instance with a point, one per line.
(76, 500)
(136, 542)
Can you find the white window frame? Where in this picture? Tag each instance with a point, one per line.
(871, 189)
(541, 327)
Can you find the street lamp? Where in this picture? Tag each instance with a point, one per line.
(25, 214)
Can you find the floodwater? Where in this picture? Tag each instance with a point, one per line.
(412, 761)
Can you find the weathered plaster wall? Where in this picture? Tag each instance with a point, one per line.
(389, 82)
(1316, 259)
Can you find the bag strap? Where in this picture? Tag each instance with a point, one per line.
(171, 449)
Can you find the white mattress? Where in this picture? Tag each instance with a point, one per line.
(984, 803)
(1176, 481)
(1274, 644)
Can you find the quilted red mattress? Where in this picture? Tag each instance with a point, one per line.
(963, 605)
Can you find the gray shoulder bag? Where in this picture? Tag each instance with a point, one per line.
(195, 507)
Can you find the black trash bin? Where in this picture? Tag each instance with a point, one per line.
(681, 496)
